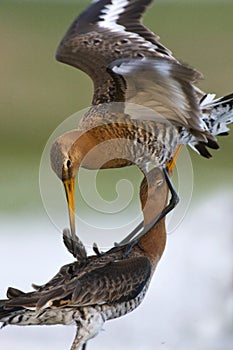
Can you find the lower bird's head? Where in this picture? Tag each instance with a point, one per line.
(65, 158)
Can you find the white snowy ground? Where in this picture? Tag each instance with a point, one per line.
(189, 304)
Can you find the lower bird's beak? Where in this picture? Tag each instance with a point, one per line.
(69, 188)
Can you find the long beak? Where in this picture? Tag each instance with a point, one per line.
(69, 188)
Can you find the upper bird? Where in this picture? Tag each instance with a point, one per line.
(145, 103)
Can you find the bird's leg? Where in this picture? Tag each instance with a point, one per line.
(132, 234)
(84, 347)
(78, 343)
(171, 205)
(171, 164)
(174, 200)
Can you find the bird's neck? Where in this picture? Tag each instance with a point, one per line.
(101, 148)
(83, 149)
(153, 243)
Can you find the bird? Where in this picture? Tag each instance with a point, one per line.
(145, 104)
(99, 287)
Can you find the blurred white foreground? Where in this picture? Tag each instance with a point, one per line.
(190, 301)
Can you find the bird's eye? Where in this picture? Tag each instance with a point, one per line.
(159, 182)
(68, 163)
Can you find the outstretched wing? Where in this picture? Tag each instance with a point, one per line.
(163, 85)
(105, 31)
(124, 16)
(118, 281)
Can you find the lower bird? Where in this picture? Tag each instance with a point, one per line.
(145, 103)
(97, 288)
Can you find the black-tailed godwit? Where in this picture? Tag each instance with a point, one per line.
(97, 288)
(144, 99)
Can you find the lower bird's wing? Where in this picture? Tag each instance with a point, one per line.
(116, 281)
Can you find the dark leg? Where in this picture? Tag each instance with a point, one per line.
(84, 347)
(131, 235)
(171, 205)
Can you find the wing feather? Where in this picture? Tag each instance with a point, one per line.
(96, 31)
(117, 281)
(165, 86)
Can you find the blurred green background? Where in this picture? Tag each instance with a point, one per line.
(38, 93)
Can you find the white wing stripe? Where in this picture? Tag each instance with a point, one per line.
(110, 14)
(164, 67)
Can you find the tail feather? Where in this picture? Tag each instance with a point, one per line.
(201, 147)
(18, 298)
(19, 307)
(217, 114)
(14, 293)
(21, 316)
(208, 101)
(6, 315)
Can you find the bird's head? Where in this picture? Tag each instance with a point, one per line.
(65, 158)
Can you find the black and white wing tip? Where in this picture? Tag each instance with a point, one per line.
(122, 17)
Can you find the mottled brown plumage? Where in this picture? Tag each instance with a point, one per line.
(91, 46)
(100, 287)
(142, 96)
